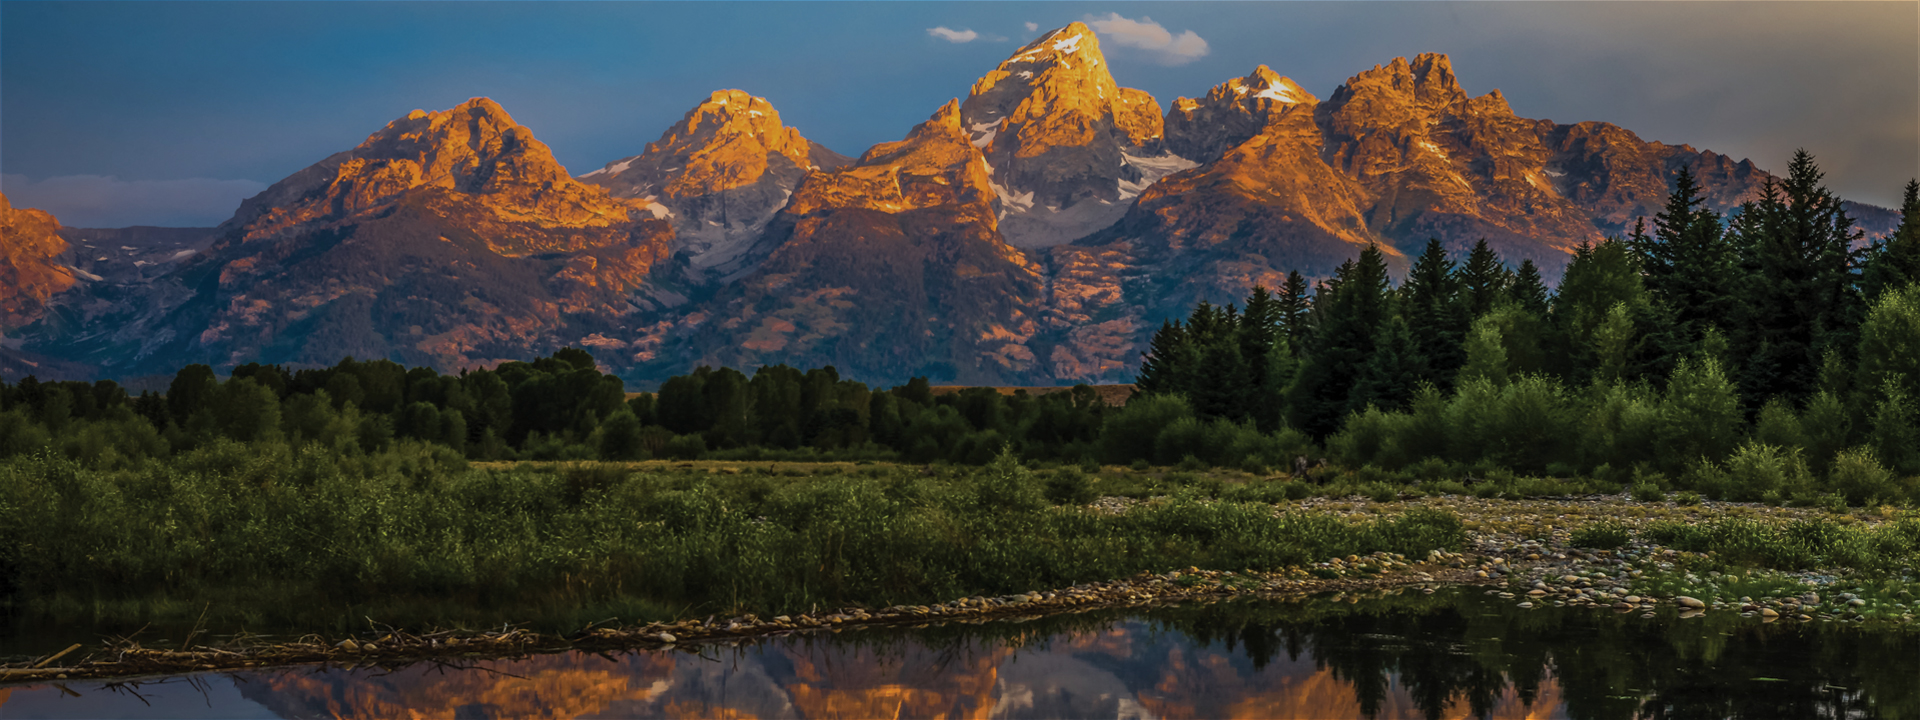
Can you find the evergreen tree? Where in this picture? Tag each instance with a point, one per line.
(1483, 279)
(1347, 318)
(1222, 385)
(1394, 372)
(1283, 365)
(1259, 328)
(1435, 314)
(1889, 350)
(1599, 279)
(1291, 307)
(1527, 291)
(1895, 262)
(1164, 364)
(1690, 268)
(1803, 299)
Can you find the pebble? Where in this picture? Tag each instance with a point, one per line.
(1689, 603)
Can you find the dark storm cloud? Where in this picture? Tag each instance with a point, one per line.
(251, 92)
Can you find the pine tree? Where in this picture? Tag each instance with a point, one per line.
(1528, 291)
(1895, 262)
(1803, 299)
(1599, 279)
(1393, 373)
(1483, 279)
(1163, 362)
(1292, 308)
(1259, 327)
(1347, 317)
(1222, 382)
(1690, 266)
(1435, 314)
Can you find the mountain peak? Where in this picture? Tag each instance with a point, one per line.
(1231, 113)
(474, 149)
(724, 142)
(1433, 75)
(1058, 133)
(722, 172)
(30, 275)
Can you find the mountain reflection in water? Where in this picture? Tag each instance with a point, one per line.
(1452, 655)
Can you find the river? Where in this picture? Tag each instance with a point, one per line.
(1455, 653)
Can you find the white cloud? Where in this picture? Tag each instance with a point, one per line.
(1159, 43)
(1033, 27)
(107, 201)
(953, 36)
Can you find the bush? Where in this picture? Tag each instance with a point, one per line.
(1069, 486)
(1857, 476)
(685, 447)
(1130, 434)
(1603, 535)
(1648, 491)
(1754, 472)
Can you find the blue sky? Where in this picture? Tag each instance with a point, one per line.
(168, 113)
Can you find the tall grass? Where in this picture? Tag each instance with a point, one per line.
(1798, 545)
(288, 535)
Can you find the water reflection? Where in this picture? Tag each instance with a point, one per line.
(1448, 655)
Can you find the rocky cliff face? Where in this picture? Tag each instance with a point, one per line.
(886, 268)
(449, 238)
(721, 172)
(1068, 146)
(30, 275)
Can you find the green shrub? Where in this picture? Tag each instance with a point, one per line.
(1130, 433)
(1648, 491)
(685, 447)
(1069, 486)
(1856, 474)
(1603, 535)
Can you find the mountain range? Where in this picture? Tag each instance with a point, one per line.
(1033, 232)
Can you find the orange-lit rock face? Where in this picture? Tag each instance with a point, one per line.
(935, 165)
(1231, 113)
(451, 238)
(721, 173)
(1445, 165)
(1067, 145)
(29, 275)
(897, 255)
(728, 141)
(475, 152)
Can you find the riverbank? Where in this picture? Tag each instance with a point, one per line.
(1533, 553)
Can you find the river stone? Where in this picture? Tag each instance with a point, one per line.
(1525, 606)
(1635, 599)
(1690, 603)
(1769, 612)
(665, 637)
